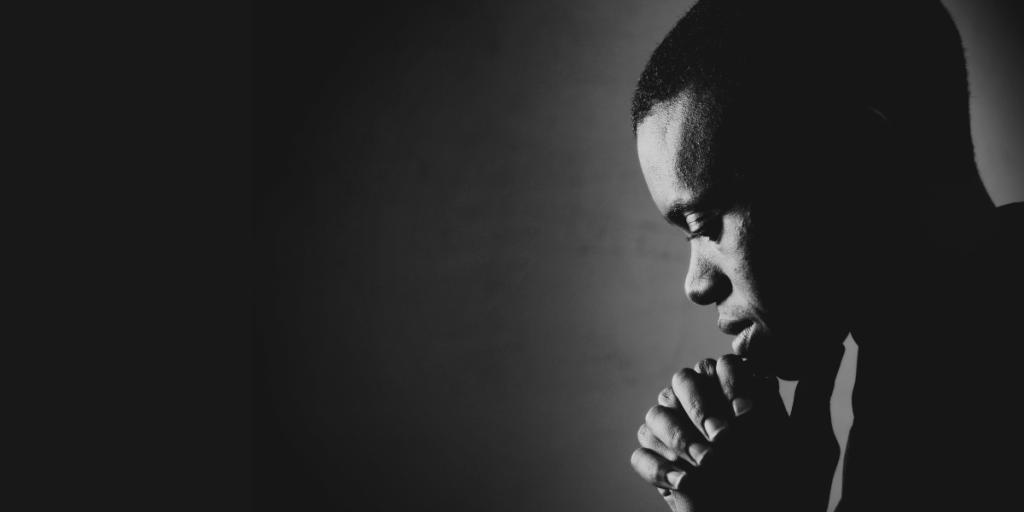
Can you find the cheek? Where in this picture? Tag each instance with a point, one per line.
(790, 263)
(735, 248)
(770, 264)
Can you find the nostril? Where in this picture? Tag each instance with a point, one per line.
(705, 284)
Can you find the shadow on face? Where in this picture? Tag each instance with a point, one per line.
(772, 206)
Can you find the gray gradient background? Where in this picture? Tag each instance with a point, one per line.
(466, 297)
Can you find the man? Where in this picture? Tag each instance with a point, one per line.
(818, 157)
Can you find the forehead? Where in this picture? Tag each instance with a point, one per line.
(676, 144)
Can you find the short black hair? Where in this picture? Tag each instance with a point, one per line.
(903, 58)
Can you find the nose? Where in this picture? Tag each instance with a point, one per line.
(705, 283)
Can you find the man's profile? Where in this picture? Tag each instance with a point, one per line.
(818, 156)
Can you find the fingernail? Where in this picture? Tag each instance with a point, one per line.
(674, 477)
(713, 426)
(740, 406)
(697, 451)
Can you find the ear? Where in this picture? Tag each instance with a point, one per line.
(864, 143)
(858, 144)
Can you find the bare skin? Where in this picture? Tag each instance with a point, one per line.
(731, 430)
(718, 427)
(792, 274)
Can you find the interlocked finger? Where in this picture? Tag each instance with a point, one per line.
(667, 398)
(657, 470)
(673, 429)
(701, 397)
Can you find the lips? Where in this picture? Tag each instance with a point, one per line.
(742, 329)
(741, 344)
(733, 327)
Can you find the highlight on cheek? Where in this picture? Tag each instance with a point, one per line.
(736, 227)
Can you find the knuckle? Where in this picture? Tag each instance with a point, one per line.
(706, 366)
(667, 397)
(644, 434)
(729, 361)
(637, 459)
(683, 378)
(677, 438)
(727, 371)
(694, 407)
(652, 414)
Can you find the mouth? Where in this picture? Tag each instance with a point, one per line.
(741, 344)
(733, 327)
(742, 330)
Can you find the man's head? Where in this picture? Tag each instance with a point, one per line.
(767, 131)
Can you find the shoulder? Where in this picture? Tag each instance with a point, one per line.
(1012, 213)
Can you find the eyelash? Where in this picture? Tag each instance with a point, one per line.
(705, 229)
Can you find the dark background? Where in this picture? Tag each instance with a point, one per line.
(465, 299)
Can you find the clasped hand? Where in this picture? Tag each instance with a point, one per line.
(720, 438)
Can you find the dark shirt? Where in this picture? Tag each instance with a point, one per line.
(936, 406)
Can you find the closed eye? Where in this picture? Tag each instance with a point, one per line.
(707, 225)
(697, 218)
